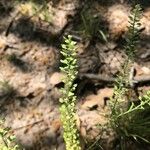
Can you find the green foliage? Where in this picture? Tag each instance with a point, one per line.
(32, 8)
(68, 99)
(7, 140)
(133, 31)
(123, 81)
(145, 100)
(90, 25)
(129, 120)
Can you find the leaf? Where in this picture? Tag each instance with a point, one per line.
(64, 46)
(64, 61)
(103, 35)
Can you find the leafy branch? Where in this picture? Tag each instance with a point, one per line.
(7, 140)
(133, 31)
(127, 118)
(68, 99)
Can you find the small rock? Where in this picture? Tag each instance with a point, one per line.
(141, 70)
(56, 78)
(98, 100)
(112, 45)
(56, 124)
(61, 147)
(145, 21)
(83, 131)
(146, 70)
(117, 18)
(92, 101)
(2, 42)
